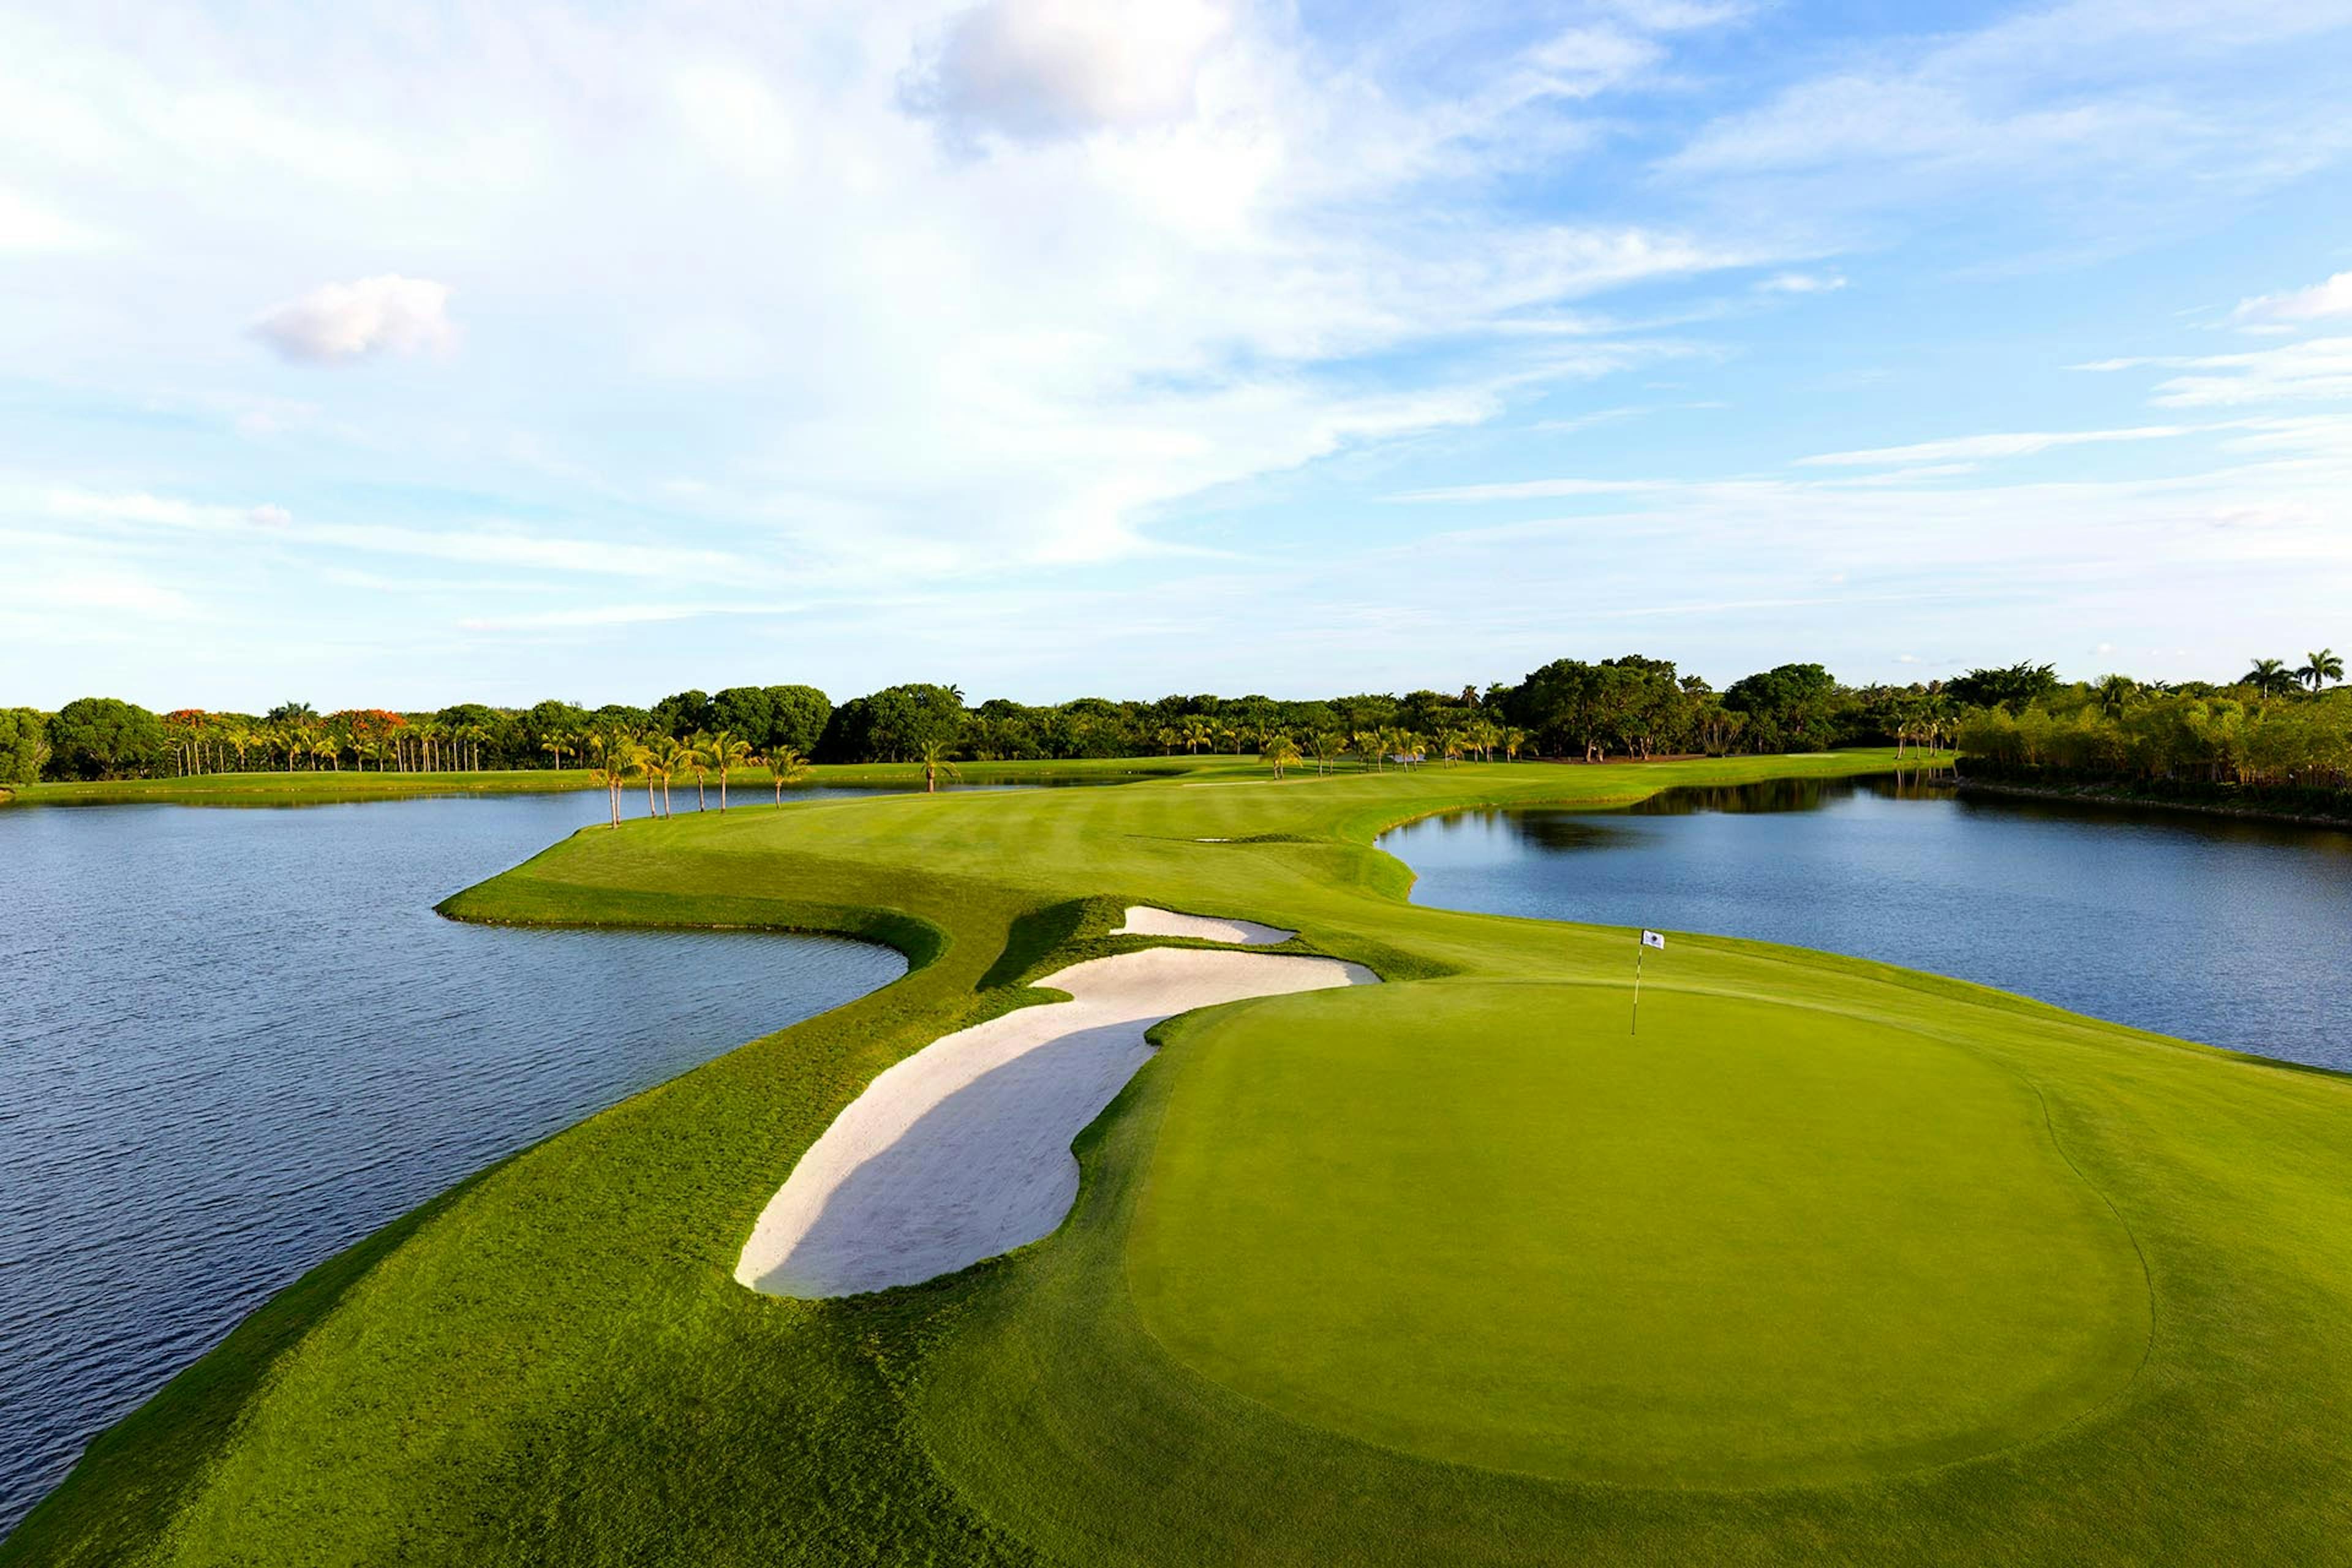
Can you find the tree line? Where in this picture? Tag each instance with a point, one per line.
(2261, 728)
(2280, 736)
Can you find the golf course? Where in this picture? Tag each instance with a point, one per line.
(1416, 1250)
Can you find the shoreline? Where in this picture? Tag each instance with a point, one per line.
(2092, 797)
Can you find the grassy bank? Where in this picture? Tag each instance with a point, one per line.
(1837, 1263)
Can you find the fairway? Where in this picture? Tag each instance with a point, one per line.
(1757, 1245)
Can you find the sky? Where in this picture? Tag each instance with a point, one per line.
(406, 354)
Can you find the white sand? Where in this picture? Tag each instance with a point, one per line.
(1142, 920)
(962, 1150)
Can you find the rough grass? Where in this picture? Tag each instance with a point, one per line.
(551, 1364)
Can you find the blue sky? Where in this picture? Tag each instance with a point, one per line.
(404, 356)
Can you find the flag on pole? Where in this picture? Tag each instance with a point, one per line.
(1652, 939)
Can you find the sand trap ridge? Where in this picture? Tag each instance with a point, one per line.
(962, 1150)
(1142, 920)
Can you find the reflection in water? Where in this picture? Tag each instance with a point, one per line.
(2208, 928)
(1794, 794)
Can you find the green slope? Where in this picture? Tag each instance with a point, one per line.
(2111, 1336)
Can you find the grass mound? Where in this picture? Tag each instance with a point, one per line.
(1757, 1245)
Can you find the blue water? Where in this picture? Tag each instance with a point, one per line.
(2230, 933)
(231, 1043)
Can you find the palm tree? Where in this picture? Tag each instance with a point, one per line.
(2115, 693)
(558, 745)
(1449, 746)
(724, 751)
(616, 758)
(697, 756)
(661, 758)
(1325, 746)
(933, 755)
(788, 766)
(1279, 750)
(2320, 668)
(1370, 746)
(1167, 737)
(1514, 742)
(2269, 677)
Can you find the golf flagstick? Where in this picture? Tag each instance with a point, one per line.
(1650, 938)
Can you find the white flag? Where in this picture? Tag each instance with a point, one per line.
(1652, 939)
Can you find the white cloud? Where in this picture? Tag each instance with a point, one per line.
(1036, 70)
(2317, 368)
(2319, 302)
(2008, 444)
(337, 323)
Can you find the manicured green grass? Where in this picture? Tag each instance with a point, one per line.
(1755, 1245)
(1839, 1266)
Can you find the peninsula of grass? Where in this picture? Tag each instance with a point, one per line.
(1833, 1262)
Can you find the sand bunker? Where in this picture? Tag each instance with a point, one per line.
(1142, 920)
(962, 1150)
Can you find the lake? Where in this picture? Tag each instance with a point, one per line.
(231, 1043)
(2231, 932)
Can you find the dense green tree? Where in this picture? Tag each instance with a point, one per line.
(101, 738)
(769, 717)
(2013, 687)
(1631, 704)
(683, 713)
(1789, 707)
(24, 745)
(893, 725)
(540, 723)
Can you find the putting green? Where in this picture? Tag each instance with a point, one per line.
(1758, 1244)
